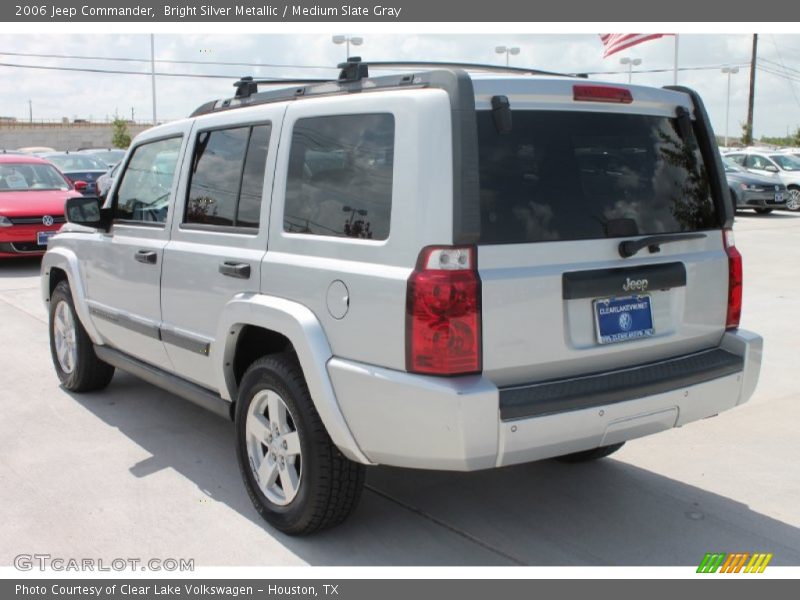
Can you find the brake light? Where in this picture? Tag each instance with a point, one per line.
(601, 93)
(443, 313)
(734, 281)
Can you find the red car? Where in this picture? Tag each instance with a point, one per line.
(32, 197)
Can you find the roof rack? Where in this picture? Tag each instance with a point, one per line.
(354, 77)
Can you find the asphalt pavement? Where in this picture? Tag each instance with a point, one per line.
(133, 471)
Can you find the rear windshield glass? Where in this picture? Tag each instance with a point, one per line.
(580, 175)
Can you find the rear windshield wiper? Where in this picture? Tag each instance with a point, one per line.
(630, 247)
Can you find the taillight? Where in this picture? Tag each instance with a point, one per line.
(734, 281)
(443, 312)
(601, 93)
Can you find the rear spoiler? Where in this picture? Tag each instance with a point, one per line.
(711, 156)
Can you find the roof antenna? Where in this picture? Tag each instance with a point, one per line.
(353, 69)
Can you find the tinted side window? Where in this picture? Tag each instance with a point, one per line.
(754, 161)
(143, 194)
(227, 177)
(340, 176)
(584, 175)
(738, 158)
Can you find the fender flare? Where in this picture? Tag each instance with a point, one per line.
(301, 326)
(66, 260)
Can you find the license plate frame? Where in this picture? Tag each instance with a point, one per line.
(611, 327)
(42, 237)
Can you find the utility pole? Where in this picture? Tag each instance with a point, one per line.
(132, 119)
(30, 111)
(749, 133)
(153, 74)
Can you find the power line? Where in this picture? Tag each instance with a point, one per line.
(121, 72)
(669, 70)
(780, 58)
(166, 61)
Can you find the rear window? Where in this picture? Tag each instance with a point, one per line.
(580, 175)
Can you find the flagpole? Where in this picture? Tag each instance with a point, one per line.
(675, 64)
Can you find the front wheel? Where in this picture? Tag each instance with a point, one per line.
(298, 480)
(76, 364)
(794, 199)
(593, 454)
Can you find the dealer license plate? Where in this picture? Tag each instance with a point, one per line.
(622, 319)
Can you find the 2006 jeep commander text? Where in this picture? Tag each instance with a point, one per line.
(441, 269)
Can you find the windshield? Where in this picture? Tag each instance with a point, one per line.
(585, 175)
(76, 162)
(730, 165)
(25, 177)
(786, 162)
(109, 157)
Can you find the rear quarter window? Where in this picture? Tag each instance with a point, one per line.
(580, 175)
(340, 176)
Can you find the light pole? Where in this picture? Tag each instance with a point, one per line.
(507, 50)
(631, 62)
(153, 74)
(347, 39)
(728, 71)
(30, 111)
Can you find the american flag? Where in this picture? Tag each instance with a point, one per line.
(616, 42)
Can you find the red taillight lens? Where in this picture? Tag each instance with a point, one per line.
(601, 93)
(443, 313)
(734, 282)
(80, 186)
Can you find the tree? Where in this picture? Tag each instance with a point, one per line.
(747, 135)
(121, 137)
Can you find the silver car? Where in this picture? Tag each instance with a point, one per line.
(779, 167)
(451, 271)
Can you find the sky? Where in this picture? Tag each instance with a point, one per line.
(87, 95)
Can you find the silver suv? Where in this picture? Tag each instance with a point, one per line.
(439, 270)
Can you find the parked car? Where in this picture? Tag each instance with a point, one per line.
(452, 271)
(109, 156)
(780, 168)
(105, 181)
(32, 197)
(78, 167)
(35, 149)
(748, 190)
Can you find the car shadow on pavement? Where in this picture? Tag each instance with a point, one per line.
(773, 215)
(545, 513)
(20, 267)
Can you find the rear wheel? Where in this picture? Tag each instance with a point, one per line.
(763, 211)
(298, 480)
(77, 366)
(794, 199)
(587, 455)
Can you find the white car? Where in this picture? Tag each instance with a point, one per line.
(437, 269)
(781, 167)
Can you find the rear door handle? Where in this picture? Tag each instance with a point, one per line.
(234, 269)
(147, 257)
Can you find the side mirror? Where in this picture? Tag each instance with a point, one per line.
(80, 186)
(88, 211)
(771, 168)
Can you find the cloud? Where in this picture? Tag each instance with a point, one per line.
(57, 94)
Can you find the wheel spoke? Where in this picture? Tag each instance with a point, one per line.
(289, 480)
(277, 413)
(267, 473)
(258, 427)
(292, 441)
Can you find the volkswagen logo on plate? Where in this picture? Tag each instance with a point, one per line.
(47, 220)
(625, 321)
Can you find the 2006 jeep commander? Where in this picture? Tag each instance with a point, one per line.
(441, 269)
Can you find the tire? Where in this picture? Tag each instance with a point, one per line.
(794, 199)
(309, 484)
(763, 211)
(587, 455)
(76, 364)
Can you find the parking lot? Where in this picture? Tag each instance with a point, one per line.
(133, 471)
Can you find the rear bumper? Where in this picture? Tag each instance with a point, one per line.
(468, 423)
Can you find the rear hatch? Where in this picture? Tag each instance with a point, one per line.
(573, 179)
